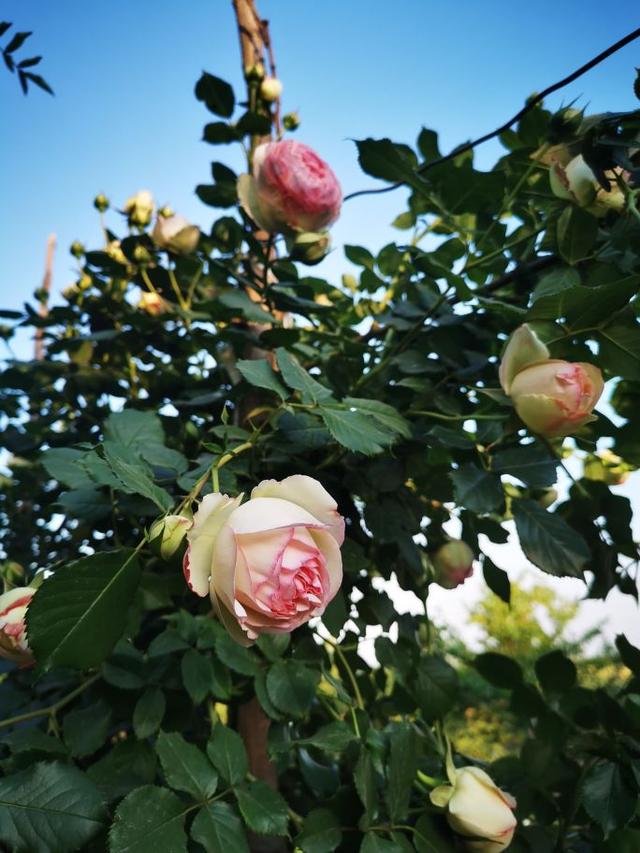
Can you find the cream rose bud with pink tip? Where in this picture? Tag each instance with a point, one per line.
(477, 810)
(13, 631)
(291, 189)
(453, 564)
(270, 564)
(552, 397)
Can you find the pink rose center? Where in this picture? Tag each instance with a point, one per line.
(577, 391)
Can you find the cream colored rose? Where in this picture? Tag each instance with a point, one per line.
(270, 564)
(553, 397)
(139, 208)
(577, 183)
(477, 810)
(13, 632)
(176, 234)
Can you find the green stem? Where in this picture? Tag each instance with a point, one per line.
(176, 289)
(350, 673)
(50, 710)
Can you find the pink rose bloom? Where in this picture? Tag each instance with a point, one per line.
(270, 564)
(453, 564)
(291, 189)
(555, 398)
(13, 631)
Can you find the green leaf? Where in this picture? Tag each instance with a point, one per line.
(263, 809)
(148, 713)
(607, 798)
(240, 303)
(556, 672)
(86, 729)
(227, 752)
(320, 833)
(216, 94)
(186, 768)
(259, 372)
(355, 431)
(297, 378)
(218, 828)
(499, 670)
(384, 415)
(196, 675)
(496, 579)
(134, 428)
(292, 686)
(61, 463)
(375, 843)
(236, 657)
(76, 616)
(129, 764)
(49, 807)
(532, 464)
(134, 475)
(149, 820)
(577, 232)
(360, 256)
(389, 161)
(217, 195)
(219, 133)
(437, 686)
(548, 541)
(365, 781)
(430, 837)
(620, 348)
(403, 764)
(332, 737)
(476, 490)
(555, 282)
(629, 653)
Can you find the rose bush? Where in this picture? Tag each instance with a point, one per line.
(270, 564)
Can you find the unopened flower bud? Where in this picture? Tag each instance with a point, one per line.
(77, 249)
(452, 564)
(291, 121)
(175, 234)
(165, 211)
(86, 281)
(576, 182)
(606, 467)
(153, 304)
(477, 810)
(141, 255)
(12, 573)
(166, 534)
(114, 250)
(70, 292)
(270, 89)
(101, 202)
(309, 247)
(139, 208)
(254, 72)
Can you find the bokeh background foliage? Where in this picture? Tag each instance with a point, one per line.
(127, 735)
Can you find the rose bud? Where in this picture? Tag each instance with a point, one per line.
(167, 534)
(153, 304)
(291, 121)
(77, 249)
(477, 810)
(270, 564)
(175, 234)
(607, 467)
(453, 564)
(13, 631)
(552, 397)
(101, 202)
(291, 189)
(139, 208)
(556, 398)
(114, 250)
(577, 183)
(270, 89)
(309, 247)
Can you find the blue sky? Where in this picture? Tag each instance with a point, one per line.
(124, 116)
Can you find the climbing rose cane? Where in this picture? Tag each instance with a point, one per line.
(478, 810)
(552, 397)
(291, 189)
(13, 632)
(270, 564)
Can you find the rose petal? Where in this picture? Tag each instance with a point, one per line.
(308, 493)
(260, 514)
(212, 514)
